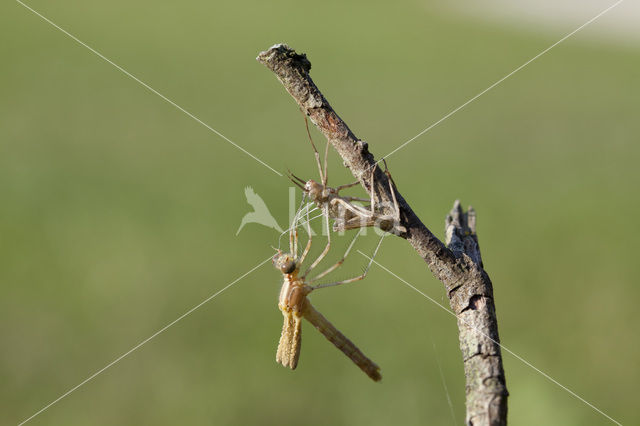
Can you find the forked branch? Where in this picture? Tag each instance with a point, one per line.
(457, 264)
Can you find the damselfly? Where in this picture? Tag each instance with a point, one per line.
(295, 305)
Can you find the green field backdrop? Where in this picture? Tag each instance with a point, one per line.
(118, 212)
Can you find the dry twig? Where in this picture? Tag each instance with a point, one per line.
(457, 264)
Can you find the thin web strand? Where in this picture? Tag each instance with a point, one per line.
(94, 375)
(146, 86)
(548, 377)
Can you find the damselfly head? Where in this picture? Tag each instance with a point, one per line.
(310, 187)
(285, 262)
(313, 189)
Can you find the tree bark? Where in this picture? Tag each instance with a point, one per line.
(457, 264)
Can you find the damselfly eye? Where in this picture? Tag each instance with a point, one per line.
(284, 262)
(288, 266)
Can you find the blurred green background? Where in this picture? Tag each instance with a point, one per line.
(118, 212)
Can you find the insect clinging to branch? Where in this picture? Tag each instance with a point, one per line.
(294, 303)
(342, 209)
